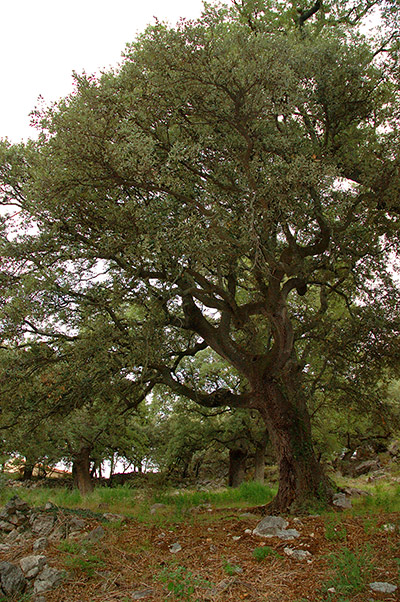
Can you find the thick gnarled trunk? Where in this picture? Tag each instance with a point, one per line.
(301, 478)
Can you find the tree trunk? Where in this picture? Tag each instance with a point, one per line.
(29, 465)
(259, 464)
(301, 479)
(237, 467)
(81, 471)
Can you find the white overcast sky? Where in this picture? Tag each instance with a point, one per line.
(43, 41)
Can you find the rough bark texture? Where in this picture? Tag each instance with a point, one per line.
(81, 471)
(237, 467)
(259, 464)
(301, 479)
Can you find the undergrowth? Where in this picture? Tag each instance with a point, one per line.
(181, 584)
(249, 493)
(350, 571)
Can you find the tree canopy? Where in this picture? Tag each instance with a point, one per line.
(234, 185)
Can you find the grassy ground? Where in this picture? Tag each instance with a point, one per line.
(220, 559)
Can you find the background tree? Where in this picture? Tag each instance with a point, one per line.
(188, 198)
(65, 404)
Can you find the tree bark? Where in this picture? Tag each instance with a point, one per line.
(283, 408)
(237, 467)
(81, 471)
(259, 464)
(29, 465)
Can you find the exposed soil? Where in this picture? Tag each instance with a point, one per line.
(133, 557)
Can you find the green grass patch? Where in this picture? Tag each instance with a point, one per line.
(263, 552)
(384, 497)
(232, 569)
(87, 564)
(79, 557)
(249, 493)
(334, 528)
(181, 584)
(120, 499)
(350, 571)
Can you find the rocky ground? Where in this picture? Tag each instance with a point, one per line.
(56, 555)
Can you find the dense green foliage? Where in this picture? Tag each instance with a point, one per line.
(232, 187)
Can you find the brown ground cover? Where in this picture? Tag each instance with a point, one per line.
(136, 557)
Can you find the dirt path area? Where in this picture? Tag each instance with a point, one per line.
(211, 557)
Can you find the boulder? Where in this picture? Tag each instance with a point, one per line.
(12, 580)
(40, 544)
(77, 524)
(341, 500)
(43, 524)
(269, 526)
(14, 504)
(96, 535)
(6, 526)
(48, 580)
(32, 565)
(287, 534)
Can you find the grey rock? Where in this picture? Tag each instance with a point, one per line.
(14, 504)
(141, 594)
(389, 527)
(4, 547)
(270, 526)
(96, 535)
(6, 526)
(17, 519)
(12, 536)
(43, 524)
(32, 565)
(175, 547)
(383, 587)
(341, 500)
(48, 580)
(50, 506)
(287, 534)
(40, 544)
(13, 582)
(366, 467)
(156, 507)
(114, 518)
(297, 554)
(77, 524)
(57, 534)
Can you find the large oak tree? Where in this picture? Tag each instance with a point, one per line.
(231, 167)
